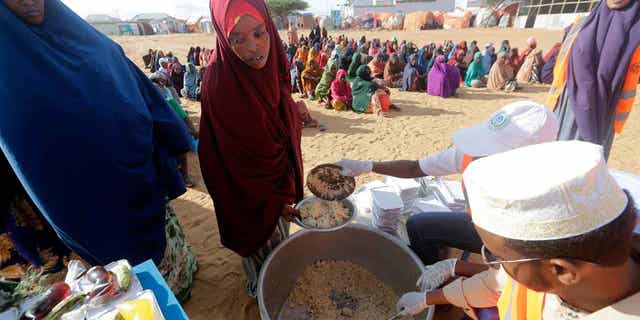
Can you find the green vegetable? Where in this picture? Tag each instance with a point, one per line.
(123, 276)
(65, 306)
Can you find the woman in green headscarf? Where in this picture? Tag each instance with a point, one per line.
(323, 87)
(356, 62)
(362, 89)
(368, 96)
(475, 77)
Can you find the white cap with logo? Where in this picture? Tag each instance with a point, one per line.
(515, 125)
(547, 191)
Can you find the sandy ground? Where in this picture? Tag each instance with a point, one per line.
(423, 127)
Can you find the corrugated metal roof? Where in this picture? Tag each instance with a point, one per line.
(152, 16)
(101, 18)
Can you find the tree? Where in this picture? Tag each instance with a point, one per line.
(284, 8)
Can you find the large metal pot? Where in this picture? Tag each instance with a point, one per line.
(381, 254)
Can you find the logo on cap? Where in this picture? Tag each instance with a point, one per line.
(498, 121)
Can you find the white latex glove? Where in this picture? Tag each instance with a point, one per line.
(437, 274)
(354, 168)
(412, 303)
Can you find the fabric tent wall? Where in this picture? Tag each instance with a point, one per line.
(453, 22)
(439, 19)
(145, 28)
(393, 22)
(482, 17)
(421, 20)
(507, 15)
(206, 27)
(415, 21)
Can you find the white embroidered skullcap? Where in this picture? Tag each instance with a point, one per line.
(547, 191)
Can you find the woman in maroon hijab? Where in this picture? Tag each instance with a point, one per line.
(250, 133)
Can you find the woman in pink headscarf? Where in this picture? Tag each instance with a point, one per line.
(444, 79)
(250, 133)
(341, 92)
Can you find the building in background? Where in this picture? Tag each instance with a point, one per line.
(303, 21)
(200, 24)
(101, 18)
(359, 8)
(552, 13)
(116, 27)
(162, 23)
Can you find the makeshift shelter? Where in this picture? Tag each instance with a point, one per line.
(507, 14)
(416, 20)
(162, 23)
(482, 18)
(193, 24)
(118, 28)
(393, 22)
(367, 21)
(438, 17)
(431, 21)
(145, 29)
(453, 21)
(205, 25)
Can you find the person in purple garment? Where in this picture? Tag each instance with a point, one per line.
(444, 79)
(602, 72)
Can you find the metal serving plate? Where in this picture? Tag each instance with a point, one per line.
(346, 202)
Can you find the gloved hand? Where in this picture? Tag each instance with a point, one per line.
(412, 303)
(437, 274)
(354, 168)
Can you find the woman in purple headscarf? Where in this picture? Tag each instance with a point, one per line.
(444, 79)
(601, 74)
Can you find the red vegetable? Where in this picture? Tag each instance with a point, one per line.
(54, 295)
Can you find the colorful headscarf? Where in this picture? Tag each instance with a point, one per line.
(250, 137)
(475, 70)
(127, 136)
(329, 74)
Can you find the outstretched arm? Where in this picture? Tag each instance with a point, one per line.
(399, 168)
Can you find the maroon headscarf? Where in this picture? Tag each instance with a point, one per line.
(250, 138)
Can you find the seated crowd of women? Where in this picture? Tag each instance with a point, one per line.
(185, 79)
(330, 71)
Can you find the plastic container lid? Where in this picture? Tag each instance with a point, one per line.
(430, 204)
(402, 184)
(386, 198)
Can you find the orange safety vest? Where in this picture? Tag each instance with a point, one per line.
(562, 61)
(466, 161)
(627, 94)
(517, 302)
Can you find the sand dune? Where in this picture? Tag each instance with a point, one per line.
(424, 126)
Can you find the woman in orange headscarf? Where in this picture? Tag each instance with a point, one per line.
(310, 78)
(377, 66)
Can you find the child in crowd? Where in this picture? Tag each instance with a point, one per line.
(160, 80)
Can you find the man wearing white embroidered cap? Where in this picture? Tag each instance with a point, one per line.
(515, 125)
(559, 227)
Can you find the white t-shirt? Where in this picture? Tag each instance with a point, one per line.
(442, 164)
